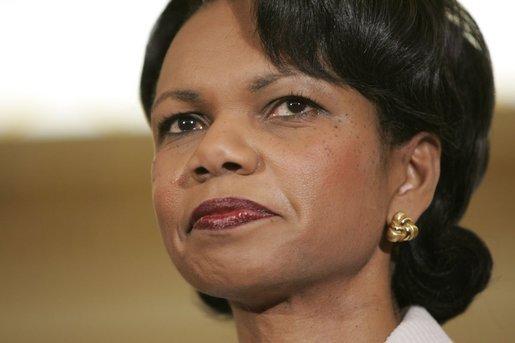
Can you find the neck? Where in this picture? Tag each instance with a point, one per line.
(357, 310)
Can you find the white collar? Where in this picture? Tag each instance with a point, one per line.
(418, 326)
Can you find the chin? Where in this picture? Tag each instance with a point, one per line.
(237, 278)
(255, 296)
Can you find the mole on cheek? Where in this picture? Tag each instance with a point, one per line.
(327, 148)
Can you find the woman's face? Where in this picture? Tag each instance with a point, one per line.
(265, 181)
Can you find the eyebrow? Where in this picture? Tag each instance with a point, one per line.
(261, 82)
(191, 96)
(184, 95)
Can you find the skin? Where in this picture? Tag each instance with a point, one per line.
(319, 270)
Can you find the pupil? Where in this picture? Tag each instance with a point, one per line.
(187, 124)
(296, 106)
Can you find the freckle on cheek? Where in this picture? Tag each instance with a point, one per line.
(175, 180)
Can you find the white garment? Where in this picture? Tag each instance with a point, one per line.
(418, 326)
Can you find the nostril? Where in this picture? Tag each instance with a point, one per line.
(231, 166)
(201, 171)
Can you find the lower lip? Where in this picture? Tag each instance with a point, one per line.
(228, 220)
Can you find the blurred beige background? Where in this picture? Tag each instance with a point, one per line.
(81, 258)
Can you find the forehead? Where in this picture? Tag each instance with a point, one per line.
(220, 38)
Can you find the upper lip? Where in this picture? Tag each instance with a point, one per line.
(222, 205)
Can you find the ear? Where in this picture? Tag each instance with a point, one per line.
(417, 172)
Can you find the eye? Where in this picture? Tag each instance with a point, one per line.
(295, 106)
(183, 123)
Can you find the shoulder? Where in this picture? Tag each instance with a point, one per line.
(418, 326)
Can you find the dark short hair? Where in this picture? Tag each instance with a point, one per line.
(426, 67)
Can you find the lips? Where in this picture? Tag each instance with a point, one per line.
(224, 213)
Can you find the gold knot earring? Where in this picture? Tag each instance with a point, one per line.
(401, 228)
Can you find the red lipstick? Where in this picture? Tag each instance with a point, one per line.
(223, 213)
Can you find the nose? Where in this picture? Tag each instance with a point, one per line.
(225, 148)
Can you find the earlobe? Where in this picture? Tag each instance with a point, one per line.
(420, 172)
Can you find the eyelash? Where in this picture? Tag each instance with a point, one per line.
(305, 100)
(164, 127)
(166, 124)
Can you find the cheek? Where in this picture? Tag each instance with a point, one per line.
(351, 172)
(343, 189)
(341, 170)
(353, 179)
(167, 196)
(338, 198)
